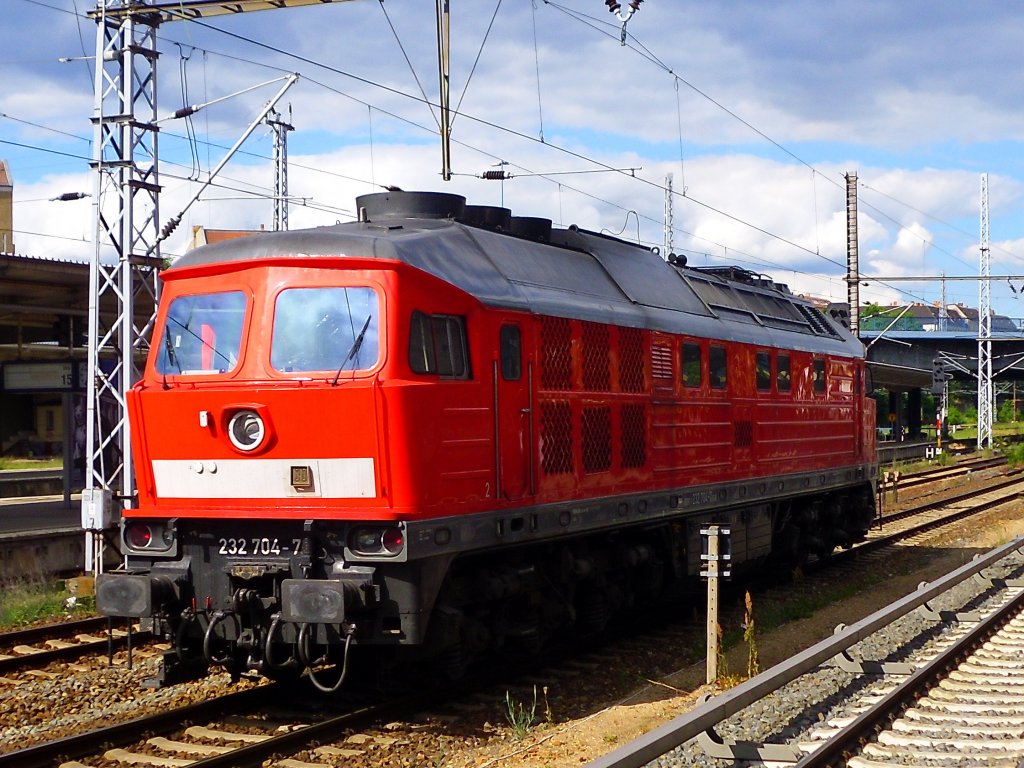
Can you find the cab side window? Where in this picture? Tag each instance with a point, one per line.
(437, 344)
(511, 353)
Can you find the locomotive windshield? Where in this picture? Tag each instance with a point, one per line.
(202, 334)
(325, 329)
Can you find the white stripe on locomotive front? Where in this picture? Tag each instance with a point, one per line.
(263, 478)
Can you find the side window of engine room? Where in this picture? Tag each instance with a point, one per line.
(691, 365)
(819, 375)
(717, 367)
(763, 369)
(783, 378)
(325, 329)
(437, 344)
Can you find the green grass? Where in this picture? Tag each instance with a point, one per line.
(24, 604)
(11, 462)
(1014, 454)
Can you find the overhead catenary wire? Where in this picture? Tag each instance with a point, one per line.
(412, 69)
(515, 133)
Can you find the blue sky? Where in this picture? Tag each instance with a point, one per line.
(757, 109)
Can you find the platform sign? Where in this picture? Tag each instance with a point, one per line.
(40, 377)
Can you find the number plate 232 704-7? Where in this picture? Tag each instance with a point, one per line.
(256, 546)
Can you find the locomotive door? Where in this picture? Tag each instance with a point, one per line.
(513, 416)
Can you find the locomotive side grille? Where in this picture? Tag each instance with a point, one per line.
(662, 364)
(744, 434)
(633, 450)
(556, 343)
(556, 438)
(597, 439)
(596, 370)
(631, 360)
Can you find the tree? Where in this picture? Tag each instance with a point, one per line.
(876, 318)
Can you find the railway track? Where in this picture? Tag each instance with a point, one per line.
(938, 474)
(948, 691)
(247, 728)
(959, 706)
(37, 647)
(286, 725)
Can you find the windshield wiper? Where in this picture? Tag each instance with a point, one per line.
(172, 356)
(353, 351)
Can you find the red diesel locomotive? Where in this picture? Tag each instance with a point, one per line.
(442, 429)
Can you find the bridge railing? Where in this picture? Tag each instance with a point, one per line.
(875, 324)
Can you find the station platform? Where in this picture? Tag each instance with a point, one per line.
(40, 513)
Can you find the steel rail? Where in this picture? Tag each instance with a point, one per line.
(69, 652)
(63, 629)
(938, 503)
(941, 473)
(46, 754)
(256, 754)
(851, 737)
(685, 727)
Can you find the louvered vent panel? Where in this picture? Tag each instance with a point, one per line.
(631, 360)
(556, 345)
(633, 450)
(744, 435)
(662, 363)
(596, 370)
(556, 438)
(597, 439)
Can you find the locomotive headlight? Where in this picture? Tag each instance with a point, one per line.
(392, 540)
(138, 535)
(150, 537)
(377, 541)
(246, 430)
(366, 540)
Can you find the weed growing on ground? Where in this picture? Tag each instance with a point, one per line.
(750, 636)
(519, 717)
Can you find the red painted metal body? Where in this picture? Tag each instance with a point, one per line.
(612, 414)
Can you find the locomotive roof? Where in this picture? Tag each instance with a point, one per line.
(577, 274)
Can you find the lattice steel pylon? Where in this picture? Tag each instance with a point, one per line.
(281, 129)
(852, 254)
(985, 327)
(126, 254)
(126, 236)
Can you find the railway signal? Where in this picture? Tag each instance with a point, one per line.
(939, 375)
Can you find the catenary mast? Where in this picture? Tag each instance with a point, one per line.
(126, 236)
(985, 328)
